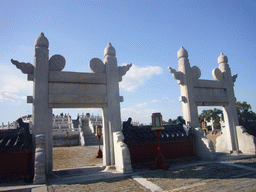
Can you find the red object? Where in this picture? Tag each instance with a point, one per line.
(14, 164)
(170, 150)
(159, 161)
(99, 154)
(66, 140)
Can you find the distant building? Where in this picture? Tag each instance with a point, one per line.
(208, 126)
(80, 131)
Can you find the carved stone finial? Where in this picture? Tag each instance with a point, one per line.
(182, 53)
(196, 72)
(97, 66)
(109, 50)
(57, 63)
(222, 58)
(217, 74)
(42, 41)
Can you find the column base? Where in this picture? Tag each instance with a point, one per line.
(110, 168)
(235, 152)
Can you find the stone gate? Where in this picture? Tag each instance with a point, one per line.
(219, 92)
(54, 88)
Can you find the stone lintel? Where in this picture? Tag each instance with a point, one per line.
(209, 84)
(74, 77)
(212, 104)
(210, 99)
(77, 88)
(68, 105)
(77, 99)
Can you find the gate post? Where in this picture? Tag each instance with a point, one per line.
(229, 111)
(186, 79)
(112, 111)
(41, 110)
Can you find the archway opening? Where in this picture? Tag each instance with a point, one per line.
(75, 143)
(211, 120)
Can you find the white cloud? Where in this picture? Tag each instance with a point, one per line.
(129, 112)
(169, 100)
(142, 105)
(10, 97)
(143, 115)
(155, 101)
(13, 85)
(136, 76)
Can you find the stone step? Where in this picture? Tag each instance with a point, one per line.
(91, 139)
(86, 130)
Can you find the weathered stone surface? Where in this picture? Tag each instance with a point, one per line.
(246, 142)
(97, 66)
(203, 146)
(40, 176)
(196, 92)
(74, 77)
(56, 89)
(57, 63)
(122, 154)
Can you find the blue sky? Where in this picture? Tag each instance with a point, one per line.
(146, 33)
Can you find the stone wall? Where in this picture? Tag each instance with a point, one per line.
(60, 141)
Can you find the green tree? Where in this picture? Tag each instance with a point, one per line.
(215, 114)
(170, 121)
(244, 112)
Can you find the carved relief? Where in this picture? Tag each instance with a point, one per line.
(39, 176)
(177, 75)
(26, 68)
(122, 70)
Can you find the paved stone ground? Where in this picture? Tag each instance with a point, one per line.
(189, 175)
(213, 138)
(117, 184)
(226, 173)
(73, 157)
(210, 177)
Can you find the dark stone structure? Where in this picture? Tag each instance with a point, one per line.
(16, 152)
(176, 142)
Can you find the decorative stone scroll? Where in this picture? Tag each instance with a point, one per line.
(39, 174)
(54, 88)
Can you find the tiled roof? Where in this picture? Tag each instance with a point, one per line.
(15, 140)
(143, 134)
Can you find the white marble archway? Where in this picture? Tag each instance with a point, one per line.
(197, 92)
(54, 88)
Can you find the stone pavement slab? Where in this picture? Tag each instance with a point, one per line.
(226, 173)
(123, 184)
(224, 176)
